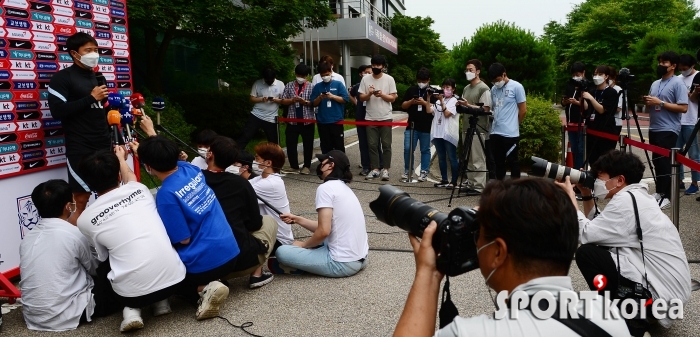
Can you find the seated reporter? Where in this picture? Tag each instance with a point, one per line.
(518, 251)
(242, 165)
(145, 269)
(338, 246)
(613, 232)
(254, 234)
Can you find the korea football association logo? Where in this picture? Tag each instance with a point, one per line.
(27, 213)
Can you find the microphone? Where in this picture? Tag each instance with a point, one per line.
(100, 79)
(137, 100)
(158, 104)
(127, 119)
(114, 119)
(114, 100)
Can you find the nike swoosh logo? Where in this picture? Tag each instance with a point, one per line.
(104, 52)
(123, 85)
(27, 115)
(3, 138)
(51, 133)
(82, 14)
(39, 7)
(33, 164)
(19, 44)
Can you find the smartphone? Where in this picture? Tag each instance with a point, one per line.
(270, 99)
(415, 97)
(325, 93)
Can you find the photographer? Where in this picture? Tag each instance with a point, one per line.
(478, 92)
(602, 102)
(518, 251)
(661, 267)
(416, 102)
(572, 105)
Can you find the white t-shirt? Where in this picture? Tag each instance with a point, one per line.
(199, 162)
(377, 108)
(690, 117)
(618, 115)
(446, 128)
(266, 111)
(347, 241)
(334, 77)
(124, 225)
(272, 190)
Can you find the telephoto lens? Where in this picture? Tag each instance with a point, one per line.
(543, 168)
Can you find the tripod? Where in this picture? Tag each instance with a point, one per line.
(466, 154)
(625, 85)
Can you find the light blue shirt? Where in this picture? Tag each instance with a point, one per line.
(672, 90)
(505, 109)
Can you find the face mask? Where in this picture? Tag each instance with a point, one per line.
(364, 74)
(422, 85)
(470, 75)
(610, 82)
(661, 70)
(448, 92)
(203, 151)
(577, 78)
(687, 72)
(376, 71)
(234, 169)
(599, 189)
(256, 168)
(598, 80)
(486, 281)
(90, 59)
(326, 79)
(500, 84)
(301, 80)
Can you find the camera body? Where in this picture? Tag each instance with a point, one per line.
(434, 91)
(453, 241)
(624, 78)
(582, 85)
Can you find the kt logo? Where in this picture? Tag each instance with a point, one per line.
(27, 213)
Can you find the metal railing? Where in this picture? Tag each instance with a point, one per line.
(345, 9)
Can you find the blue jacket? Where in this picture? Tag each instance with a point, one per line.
(336, 112)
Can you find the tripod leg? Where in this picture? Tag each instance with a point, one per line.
(646, 153)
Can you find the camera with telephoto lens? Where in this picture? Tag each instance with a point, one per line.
(543, 168)
(454, 239)
(582, 85)
(434, 91)
(461, 109)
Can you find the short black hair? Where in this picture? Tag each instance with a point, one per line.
(245, 158)
(451, 82)
(225, 151)
(302, 69)
(475, 62)
(687, 60)
(51, 196)
(77, 40)
(269, 74)
(496, 70)
(378, 59)
(619, 163)
(578, 67)
(423, 74)
(535, 218)
(670, 56)
(159, 152)
(362, 68)
(205, 137)
(100, 170)
(603, 69)
(323, 67)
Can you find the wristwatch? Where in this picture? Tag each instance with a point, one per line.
(662, 104)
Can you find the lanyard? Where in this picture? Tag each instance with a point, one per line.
(301, 89)
(662, 89)
(601, 91)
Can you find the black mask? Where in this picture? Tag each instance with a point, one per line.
(661, 70)
(376, 71)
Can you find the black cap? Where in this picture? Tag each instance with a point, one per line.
(337, 157)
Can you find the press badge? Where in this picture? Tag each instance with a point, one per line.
(297, 105)
(364, 103)
(420, 108)
(328, 104)
(657, 108)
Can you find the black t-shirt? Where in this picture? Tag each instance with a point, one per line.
(360, 108)
(609, 100)
(240, 205)
(573, 111)
(421, 120)
(83, 119)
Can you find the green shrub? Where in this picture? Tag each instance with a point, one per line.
(540, 132)
(400, 90)
(225, 112)
(172, 118)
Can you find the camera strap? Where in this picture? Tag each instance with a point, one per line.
(582, 326)
(448, 310)
(641, 241)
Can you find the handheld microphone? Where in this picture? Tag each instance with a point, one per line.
(100, 79)
(158, 104)
(114, 119)
(137, 100)
(114, 100)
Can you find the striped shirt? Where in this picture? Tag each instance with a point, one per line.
(292, 90)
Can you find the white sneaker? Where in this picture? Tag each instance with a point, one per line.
(664, 203)
(404, 176)
(657, 196)
(385, 175)
(372, 174)
(161, 308)
(210, 299)
(423, 176)
(132, 320)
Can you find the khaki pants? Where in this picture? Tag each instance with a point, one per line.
(477, 162)
(266, 233)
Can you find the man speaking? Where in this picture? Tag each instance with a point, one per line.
(75, 98)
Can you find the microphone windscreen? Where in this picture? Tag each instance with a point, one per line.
(158, 104)
(137, 100)
(113, 117)
(126, 116)
(115, 100)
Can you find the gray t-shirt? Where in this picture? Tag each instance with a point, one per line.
(377, 108)
(266, 111)
(671, 90)
(479, 93)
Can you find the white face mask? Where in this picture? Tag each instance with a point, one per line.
(577, 78)
(256, 168)
(301, 80)
(364, 74)
(90, 59)
(486, 281)
(610, 82)
(598, 80)
(470, 75)
(326, 79)
(687, 73)
(234, 169)
(422, 85)
(500, 84)
(203, 151)
(599, 189)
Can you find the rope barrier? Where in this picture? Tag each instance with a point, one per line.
(343, 122)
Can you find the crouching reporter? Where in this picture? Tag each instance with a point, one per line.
(526, 238)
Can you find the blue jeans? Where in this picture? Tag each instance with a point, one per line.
(317, 261)
(576, 140)
(424, 138)
(444, 151)
(693, 152)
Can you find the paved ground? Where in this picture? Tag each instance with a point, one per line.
(367, 304)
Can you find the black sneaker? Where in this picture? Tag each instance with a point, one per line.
(442, 184)
(364, 172)
(263, 279)
(470, 192)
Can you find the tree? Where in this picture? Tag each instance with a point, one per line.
(642, 61)
(235, 38)
(527, 59)
(419, 46)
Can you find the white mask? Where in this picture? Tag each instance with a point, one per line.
(499, 84)
(365, 74)
(203, 151)
(256, 168)
(577, 78)
(599, 189)
(422, 85)
(598, 80)
(470, 75)
(301, 80)
(687, 72)
(90, 59)
(326, 79)
(234, 169)
(486, 281)
(610, 82)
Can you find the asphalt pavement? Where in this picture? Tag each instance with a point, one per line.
(367, 304)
